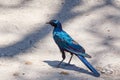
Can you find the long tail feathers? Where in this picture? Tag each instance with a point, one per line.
(89, 65)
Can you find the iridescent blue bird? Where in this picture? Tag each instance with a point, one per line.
(66, 43)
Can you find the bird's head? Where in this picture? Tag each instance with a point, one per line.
(54, 23)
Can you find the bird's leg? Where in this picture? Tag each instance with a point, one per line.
(60, 63)
(63, 56)
(70, 58)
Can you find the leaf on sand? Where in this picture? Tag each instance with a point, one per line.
(28, 63)
(64, 73)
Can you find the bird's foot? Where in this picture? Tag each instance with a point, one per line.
(58, 66)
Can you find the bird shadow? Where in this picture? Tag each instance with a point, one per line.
(67, 66)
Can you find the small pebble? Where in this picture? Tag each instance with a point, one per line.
(23, 73)
(108, 30)
(16, 74)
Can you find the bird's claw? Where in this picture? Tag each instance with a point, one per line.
(58, 66)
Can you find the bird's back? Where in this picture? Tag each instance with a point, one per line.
(65, 42)
(61, 38)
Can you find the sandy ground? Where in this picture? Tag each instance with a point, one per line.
(28, 52)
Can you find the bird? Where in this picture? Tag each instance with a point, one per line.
(67, 44)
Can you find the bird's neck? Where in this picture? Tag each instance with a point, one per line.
(58, 27)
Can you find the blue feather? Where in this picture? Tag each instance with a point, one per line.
(89, 66)
(66, 43)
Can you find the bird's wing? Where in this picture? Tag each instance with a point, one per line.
(68, 44)
(75, 48)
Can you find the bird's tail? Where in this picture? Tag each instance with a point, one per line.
(89, 65)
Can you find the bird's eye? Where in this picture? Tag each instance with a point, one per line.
(56, 21)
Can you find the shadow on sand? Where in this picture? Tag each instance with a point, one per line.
(69, 67)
